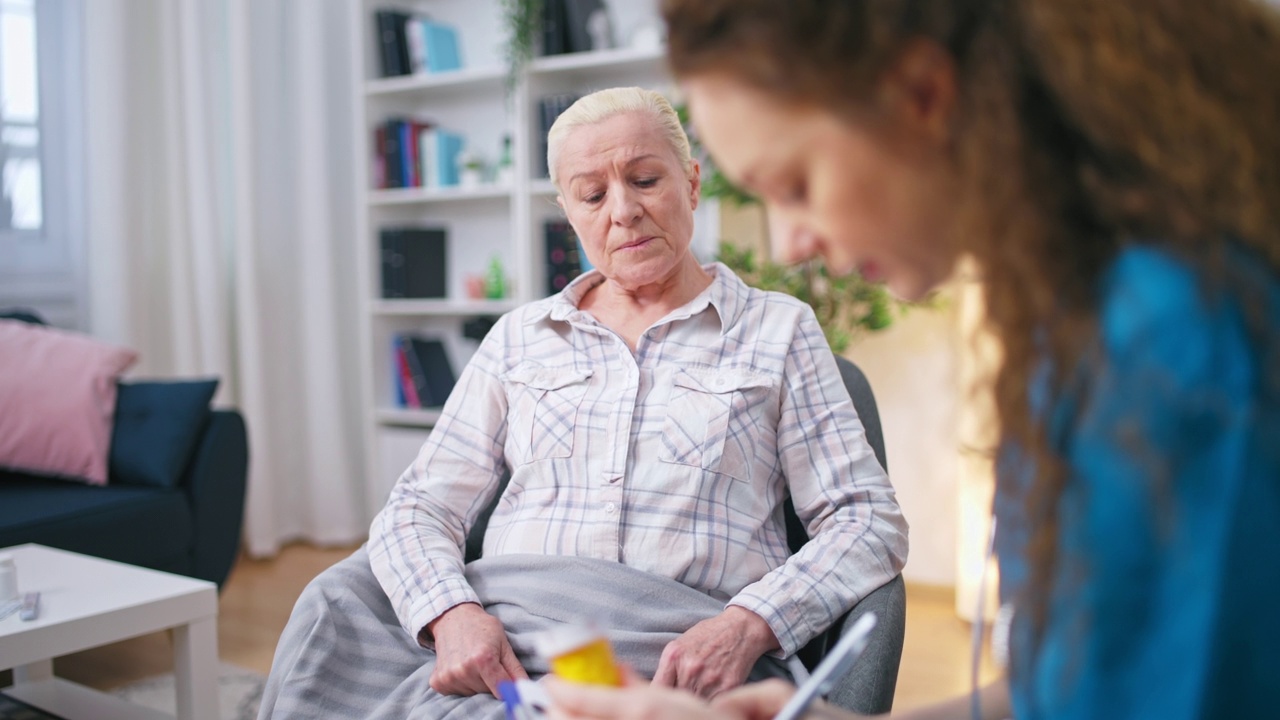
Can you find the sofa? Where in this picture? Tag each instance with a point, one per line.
(174, 490)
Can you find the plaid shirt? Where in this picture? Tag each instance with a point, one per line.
(675, 460)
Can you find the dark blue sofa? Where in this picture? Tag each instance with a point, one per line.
(191, 528)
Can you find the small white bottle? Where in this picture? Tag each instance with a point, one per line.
(8, 579)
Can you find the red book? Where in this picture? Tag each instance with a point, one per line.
(407, 385)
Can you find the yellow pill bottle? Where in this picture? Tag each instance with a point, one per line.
(580, 653)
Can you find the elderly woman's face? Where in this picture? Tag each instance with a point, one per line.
(627, 195)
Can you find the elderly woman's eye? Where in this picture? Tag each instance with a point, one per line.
(647, 182)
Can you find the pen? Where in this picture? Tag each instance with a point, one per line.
(832, 668)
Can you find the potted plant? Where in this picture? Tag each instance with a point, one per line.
(845, 306)
(523, 22)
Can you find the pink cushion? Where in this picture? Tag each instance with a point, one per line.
(58, 399)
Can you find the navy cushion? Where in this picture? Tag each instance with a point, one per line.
(23, 314)
(150, 527)
(156, 427)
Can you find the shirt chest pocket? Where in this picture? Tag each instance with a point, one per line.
(714, 420)
(542, 414)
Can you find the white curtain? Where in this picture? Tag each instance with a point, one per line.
(221, 231)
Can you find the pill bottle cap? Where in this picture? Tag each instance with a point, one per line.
(565, 638)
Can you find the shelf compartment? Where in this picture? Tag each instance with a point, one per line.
(447, 308)
(417, 195)
(481, 79)
(610, 60)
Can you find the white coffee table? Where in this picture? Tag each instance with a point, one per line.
(86, 602)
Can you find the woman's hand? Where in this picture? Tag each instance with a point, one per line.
(716, 654)
(473, 654)
(635, 700)
(763, 700)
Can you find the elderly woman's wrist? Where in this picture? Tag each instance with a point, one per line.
(755, 630)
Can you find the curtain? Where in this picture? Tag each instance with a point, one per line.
(221, 240)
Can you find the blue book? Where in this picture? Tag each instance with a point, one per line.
(448, 147)
(442, 47)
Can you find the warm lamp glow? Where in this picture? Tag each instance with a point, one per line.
(979, 357)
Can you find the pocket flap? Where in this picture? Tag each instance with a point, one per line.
(725, 380)
(544, 378)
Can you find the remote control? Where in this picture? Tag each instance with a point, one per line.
(30, 606)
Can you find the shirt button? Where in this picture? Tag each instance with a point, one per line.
(719, 382)
(611, 508)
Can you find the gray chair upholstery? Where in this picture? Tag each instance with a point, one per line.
(869, 686)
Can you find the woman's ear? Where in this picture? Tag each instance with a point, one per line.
(695, 184)
(919, 90)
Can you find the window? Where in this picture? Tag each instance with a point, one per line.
(21, 197)
(41, 129)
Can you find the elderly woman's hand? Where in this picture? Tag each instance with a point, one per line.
(473, 654)
(716, 654)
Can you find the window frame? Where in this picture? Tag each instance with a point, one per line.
(44, 269)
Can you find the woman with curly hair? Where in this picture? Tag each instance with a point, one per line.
(1113, 169)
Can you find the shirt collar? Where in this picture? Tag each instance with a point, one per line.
(727, 294)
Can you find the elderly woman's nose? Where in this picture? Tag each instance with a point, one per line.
(624, 206)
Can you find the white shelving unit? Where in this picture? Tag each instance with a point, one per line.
(482, 222)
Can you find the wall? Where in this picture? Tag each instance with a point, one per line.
(913, 369)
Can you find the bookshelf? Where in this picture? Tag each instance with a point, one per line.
(483, 221)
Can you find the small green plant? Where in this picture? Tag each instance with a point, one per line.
(523, 20)
(846, 306)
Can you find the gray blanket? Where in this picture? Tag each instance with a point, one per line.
(344, 654)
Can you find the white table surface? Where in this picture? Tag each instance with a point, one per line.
(87, 602)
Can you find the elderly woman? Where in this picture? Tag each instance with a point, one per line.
(652, 418)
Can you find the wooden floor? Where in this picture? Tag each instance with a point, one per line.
(256, 601)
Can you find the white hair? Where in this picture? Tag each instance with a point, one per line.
(604, 104)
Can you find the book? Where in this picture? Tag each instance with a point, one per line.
(441, 45)
(417, 41)
(579, 18)
(423, 369)
(554, 38)
(406, 385)
(414, 262)
(549, 108)
(563, 254)
(439, 150)
(429, 355)
(393, 48)
(413, 377)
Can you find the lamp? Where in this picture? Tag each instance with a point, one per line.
(977, 577)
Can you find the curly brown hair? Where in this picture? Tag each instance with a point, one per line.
(1081, 126)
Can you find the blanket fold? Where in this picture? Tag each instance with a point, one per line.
(343, 652)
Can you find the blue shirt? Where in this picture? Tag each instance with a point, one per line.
(1165, 600)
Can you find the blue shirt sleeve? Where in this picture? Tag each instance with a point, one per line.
(1166, 602)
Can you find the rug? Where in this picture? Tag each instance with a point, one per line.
(239, 692)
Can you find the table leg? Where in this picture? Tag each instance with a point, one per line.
(195, 669)
(33, 672)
